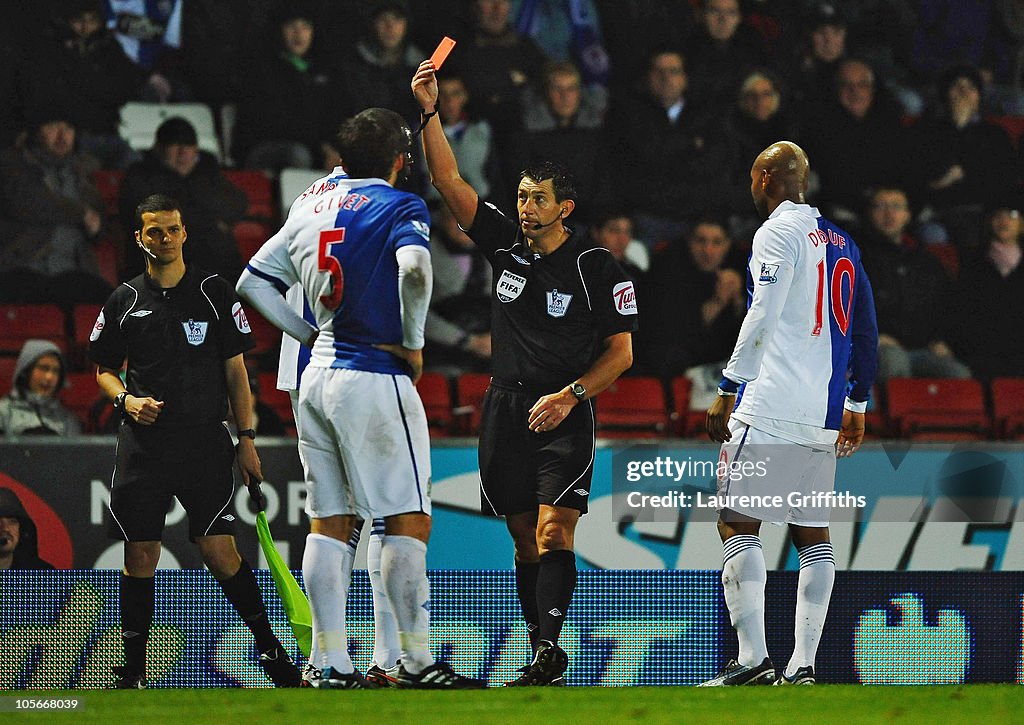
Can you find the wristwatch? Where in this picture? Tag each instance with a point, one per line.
(119, 400)
(247, 433)
(578, 391)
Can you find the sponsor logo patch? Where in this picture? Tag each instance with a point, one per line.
(581, 492)
(97, 327)
(558, 303)
(228, 517)
(421, 228)
(509, 286)
(769, 274)
(141, 313)
(625, 298)
(195, 332)
(238, 315)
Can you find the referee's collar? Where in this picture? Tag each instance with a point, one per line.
(152, 285)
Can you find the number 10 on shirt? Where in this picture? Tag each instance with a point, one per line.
(843, 267)
(327, 262)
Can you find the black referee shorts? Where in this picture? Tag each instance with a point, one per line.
(194, 464)
(520, 469)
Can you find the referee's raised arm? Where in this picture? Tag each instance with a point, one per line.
(460, 197)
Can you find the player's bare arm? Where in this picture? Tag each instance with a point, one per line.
(143, 411)
(460, 197)
(241, 405)
(717, 419)
(550, 410)
(851, 435)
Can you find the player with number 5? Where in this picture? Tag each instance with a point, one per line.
(802, 369)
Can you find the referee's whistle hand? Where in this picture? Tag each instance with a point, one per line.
(717, 420)
(550, 410)
(143, 411)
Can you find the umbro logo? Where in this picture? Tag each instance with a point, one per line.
(581, 492)
(228, 517)
(141, 313)
(554, 612)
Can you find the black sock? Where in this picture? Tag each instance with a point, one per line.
(526, 588)
(556, 581)
(138, 596)
(244, 594)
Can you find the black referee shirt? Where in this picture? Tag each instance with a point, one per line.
(176, 341)
(550, 314)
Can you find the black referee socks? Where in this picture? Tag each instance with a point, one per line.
(556, 581)
(526, 588)
(244, 594)
(137, 600)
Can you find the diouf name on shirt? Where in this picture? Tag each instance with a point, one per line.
(831, 236)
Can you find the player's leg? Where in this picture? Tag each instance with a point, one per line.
(387, 649)
(813, 592)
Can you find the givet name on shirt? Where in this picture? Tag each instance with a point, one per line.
(352, 201)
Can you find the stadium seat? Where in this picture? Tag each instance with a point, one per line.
(249, 236)
(948, 255)
(7, 363)
(268, 337)
(23, 322)
(278, 400)
(436, 394)
(1013, 125)
(83, 319)
(686, 422)
(293, 182)
(1008, 407)
(469, 396)
(257, 190)
(108, 182)
(633, 408)
(139, 122)
(80, 396)
(937, 409)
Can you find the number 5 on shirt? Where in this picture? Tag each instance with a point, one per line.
(327, 262)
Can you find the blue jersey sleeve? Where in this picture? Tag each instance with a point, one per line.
(864, 355)
(411, 225)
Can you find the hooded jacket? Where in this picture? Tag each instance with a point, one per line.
(26, 555)
(23, 412)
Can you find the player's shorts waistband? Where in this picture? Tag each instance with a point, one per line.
(515, 386)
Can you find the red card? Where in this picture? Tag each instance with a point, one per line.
(443, 49)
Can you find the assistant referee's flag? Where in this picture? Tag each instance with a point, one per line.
(296, 606)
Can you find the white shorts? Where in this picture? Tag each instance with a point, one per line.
(364, 444)
(772, 479)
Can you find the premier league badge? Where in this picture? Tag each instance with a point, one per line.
(195, 332)
(558, 303)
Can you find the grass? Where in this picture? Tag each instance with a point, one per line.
(849, 704)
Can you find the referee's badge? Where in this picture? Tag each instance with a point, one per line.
(509, 286)
(195, 332)
(558, 303)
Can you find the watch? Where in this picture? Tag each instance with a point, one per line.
(578, 391)
(119, 400)
(247, 433)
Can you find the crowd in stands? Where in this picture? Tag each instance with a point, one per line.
(910, 111)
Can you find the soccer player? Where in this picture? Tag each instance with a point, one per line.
(563, 314)
(359, 248)
(811, 320)
(183, 333)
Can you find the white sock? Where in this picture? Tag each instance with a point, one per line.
(813, 591)
(743, 578)
(386, 648)
(323, 567)
(403, 564)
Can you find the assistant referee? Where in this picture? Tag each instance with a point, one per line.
(183, 333)
(563, 313)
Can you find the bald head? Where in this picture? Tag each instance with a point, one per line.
(779, 173)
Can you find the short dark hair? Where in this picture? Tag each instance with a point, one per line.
(562, 180)
(607, 214)
(154, 203)
(369, 142)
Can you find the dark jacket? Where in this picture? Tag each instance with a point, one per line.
(26, 555)
(989, 310)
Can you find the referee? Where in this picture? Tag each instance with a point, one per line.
(183, 333)
(563, 313)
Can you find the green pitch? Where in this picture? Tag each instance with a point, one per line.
(849, 704)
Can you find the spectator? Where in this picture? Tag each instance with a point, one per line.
(912, 299)
(961, 160)
(566, 31)
(696, 301)
(33, 406)
(177, 168)
(19, 541)
(990, 300)
(671, 161)
(613, 230)
(811, 71)
(565, 126)
(51, 215)
(150, 34)
(469, 137)
(856, 141)
(82, 66)
(458, 329)
(496, 65)
(722, 53)
(288, 107)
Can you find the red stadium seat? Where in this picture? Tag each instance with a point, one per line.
(686, 422)
(80, 396)
(250, 236)
(937, 409)
(7, 364)
(1013, 125)
(436, 394)
(108, 182)
(268, 337)
(948, 255)
(469, 396)
(1008, 407)
(633, 408)
(278, 400)
(23, 322)
(257, 189)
